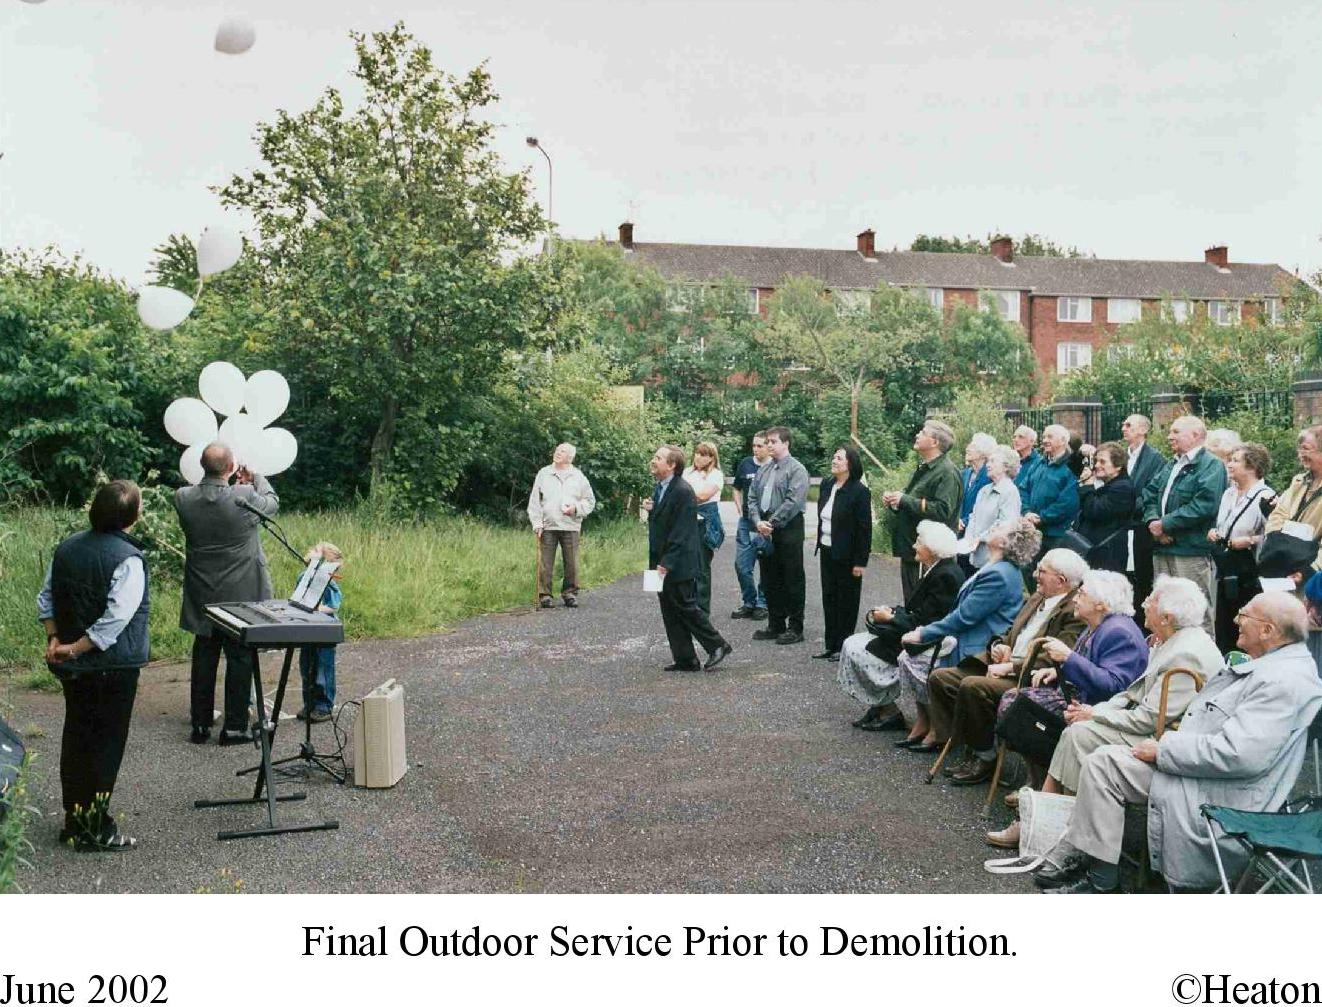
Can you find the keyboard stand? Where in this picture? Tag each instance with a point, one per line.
(264, 732)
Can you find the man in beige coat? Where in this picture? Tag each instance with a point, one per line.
(1174, 612)
(561, 498)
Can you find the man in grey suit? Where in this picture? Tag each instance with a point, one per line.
(224, 562)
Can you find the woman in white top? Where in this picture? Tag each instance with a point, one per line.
(1236, 536)
(707, 480)
(997, 503)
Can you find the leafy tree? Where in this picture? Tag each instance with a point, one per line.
(387, 235)
(75, 368)
(982, 350)
(1028, 244)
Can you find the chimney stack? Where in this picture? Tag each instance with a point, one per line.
(867, 244)
(626, 235)
(1218, 255)
(1003, 248)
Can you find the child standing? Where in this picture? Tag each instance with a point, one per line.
(316, 664)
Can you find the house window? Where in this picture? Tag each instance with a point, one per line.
(1004, 302)
(1123, 310)
(1074, 309)
(753, 303)
(1119, 351)
(1272, 312)
(936, 297)
(1179, 310)
(682, 296)
(1072, 356)
(852, 300)
(1223, 312)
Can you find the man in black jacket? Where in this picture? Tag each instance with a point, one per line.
(672, 551)
(1142, 464)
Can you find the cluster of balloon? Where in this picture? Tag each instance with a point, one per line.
(164, 307)
(248, 407)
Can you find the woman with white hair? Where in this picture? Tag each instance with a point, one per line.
(997, 503)
(974, 475)
(1221, 442)
(870, 663)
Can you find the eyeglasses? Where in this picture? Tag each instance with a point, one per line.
(1242, 617)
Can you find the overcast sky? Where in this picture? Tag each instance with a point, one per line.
(1133, 130)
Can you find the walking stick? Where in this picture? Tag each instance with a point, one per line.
(537, 582)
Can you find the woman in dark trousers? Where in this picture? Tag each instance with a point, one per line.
(844, 540)
(94, 606)
(1106, 508)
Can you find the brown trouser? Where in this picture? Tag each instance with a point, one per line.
(568, 541)
(962, 704)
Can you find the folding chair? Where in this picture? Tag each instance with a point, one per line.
(1280, 843)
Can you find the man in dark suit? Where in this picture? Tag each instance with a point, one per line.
(672, 551)
(223, 562)
(1143, 462)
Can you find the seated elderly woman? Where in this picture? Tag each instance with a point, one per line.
(964, 696)
(871, 662)
(986, 605)
(1108, 655)
(1174, 612)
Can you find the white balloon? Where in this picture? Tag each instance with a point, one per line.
(217, 250)
(190, 464)
(275, 451)
(163, 307)
(221, 385)
(266, 396)
(190, 421)
(235, 35)
(243, 436)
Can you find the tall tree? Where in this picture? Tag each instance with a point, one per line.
(389, 233)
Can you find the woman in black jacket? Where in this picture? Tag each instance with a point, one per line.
(1106, 508)
(844, 541)
(874, 664)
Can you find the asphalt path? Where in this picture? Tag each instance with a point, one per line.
(548, 751)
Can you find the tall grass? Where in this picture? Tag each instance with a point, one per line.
(400, 578)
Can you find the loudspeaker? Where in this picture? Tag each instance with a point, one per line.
(379, 759)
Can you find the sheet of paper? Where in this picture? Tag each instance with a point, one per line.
(965, 546)
(1278, 584)
(652, 581)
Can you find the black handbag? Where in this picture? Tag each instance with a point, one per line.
(1030, 729)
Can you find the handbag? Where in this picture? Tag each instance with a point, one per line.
(1083, 545)
(1043, 819)
(1030, 729)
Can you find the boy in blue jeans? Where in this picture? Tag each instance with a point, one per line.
(316, 665)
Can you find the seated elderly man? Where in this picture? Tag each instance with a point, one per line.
(964, 698)
(1240, 745)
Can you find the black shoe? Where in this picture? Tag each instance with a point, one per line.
(1080, 886)
(545, 603)
(742, 612)
(717, 656)
(789, 636)
(903, 742)
(923, 749)
(827, 655)
(1050, 876)
(767, 634)
(758, 614)
(895, 722)
(979, 771)
(682, 667)
(200, 735)
(234, 738)
(571, 602)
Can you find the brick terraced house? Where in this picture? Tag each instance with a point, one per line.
(1069, 308)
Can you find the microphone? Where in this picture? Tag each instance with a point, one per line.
(249, 507)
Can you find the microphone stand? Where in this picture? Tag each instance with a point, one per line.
(332, 765)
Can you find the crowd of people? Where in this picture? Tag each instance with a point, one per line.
(1142, 631)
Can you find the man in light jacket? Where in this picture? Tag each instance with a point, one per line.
(1241, 745)
(561, 498)
(223, 562)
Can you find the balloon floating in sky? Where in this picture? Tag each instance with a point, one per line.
(163, 307)
(235, 36)
(217, 250)
(261, 448)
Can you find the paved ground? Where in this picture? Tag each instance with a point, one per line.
(549, 752)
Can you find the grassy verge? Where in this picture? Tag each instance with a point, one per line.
(401, 579)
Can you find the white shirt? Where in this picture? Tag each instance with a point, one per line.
(1033, 628)
(712, 479)
(1132, 458)
(824, 522)
(1247, 517)
(1180, 463)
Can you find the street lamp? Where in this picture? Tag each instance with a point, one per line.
(550, 181)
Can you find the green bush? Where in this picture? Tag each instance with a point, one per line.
(1278, 439)
(14, 843)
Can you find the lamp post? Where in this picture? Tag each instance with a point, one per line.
(550, 182)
